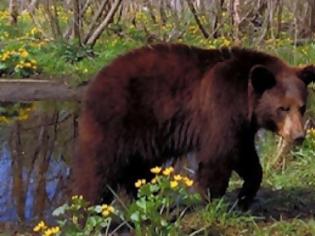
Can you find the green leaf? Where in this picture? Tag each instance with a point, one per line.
(98, 209)
(3, 66)
(142, 203)
(154, 188)
(135, 217)
(90, 224)
(60, 210)
(2, 110)
(163, 222)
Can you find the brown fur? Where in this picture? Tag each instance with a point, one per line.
(162, 101)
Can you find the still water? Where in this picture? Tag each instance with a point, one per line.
(35, 153)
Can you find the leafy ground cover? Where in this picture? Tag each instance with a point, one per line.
(166, 206)
(26, 50)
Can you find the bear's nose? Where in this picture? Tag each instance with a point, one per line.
(299, 138)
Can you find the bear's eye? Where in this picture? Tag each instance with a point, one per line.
(302, 109)
(284, 109)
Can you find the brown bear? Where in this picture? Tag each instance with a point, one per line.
(163, 101)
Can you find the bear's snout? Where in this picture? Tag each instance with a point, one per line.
(292, 128)
(299, 137)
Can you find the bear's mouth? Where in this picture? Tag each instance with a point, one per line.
(295, 140)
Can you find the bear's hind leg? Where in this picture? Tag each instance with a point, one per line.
(213, 177)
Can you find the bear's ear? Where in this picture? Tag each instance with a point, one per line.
(307, 74)
(261, 78)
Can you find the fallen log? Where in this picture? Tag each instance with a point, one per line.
(17, 90)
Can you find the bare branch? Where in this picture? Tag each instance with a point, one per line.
(97, 33)
(95, 20)
(194, 12)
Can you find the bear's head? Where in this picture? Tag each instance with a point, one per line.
(280, 99)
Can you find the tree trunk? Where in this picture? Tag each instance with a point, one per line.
(236, 19)
(279, 17)
(32, 6)
(312, 16)
(218, 5)
(13, 9)
(76, 21)
(162, 12)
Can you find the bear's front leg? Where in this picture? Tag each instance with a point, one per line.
(249, 169)
(213, 177)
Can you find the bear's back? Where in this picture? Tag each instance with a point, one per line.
(151, 81)
(155, 82)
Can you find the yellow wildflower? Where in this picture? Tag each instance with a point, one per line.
(22, 117)
(154, 180)
(106, 210)
(107, 207)
(4, 119)
(173, 184)
(5, 56)
(178, 177)
(226, 42)
(56, 229)
(140, 182)
(28, 65)
(51, 231)
(40, 226)
(156, 170)
(75, 197)
(168, 171)
(19, 66)
(34, 30)
(47, 232)
(311, 132)
(105, 213)
(111, 209)
(188, 182)
(23, 53)
(104, 206)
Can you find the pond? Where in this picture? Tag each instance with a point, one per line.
(35, 153)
